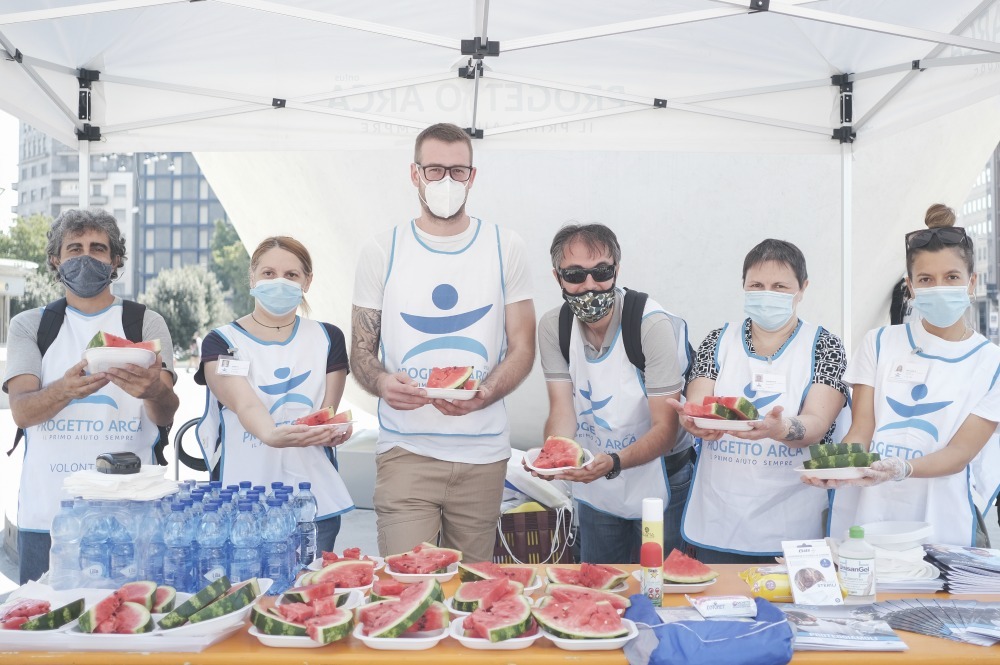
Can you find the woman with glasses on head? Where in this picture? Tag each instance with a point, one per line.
(927, 399)
(746, 496)
(264, 371)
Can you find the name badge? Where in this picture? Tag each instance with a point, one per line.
(909, 372)
(228, 366)
(768, 383)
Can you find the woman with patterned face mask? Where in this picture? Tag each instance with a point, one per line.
(927, 400)
(746, 496)
(264, 371)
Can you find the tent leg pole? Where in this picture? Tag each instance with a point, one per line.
(84, 173)
(846, 220)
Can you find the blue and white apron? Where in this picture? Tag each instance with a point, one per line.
(919, 417)
(613, 413)
(290, 379)
(444, 309)
(746, 496)
(110, 420)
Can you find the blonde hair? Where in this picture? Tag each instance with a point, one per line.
(289, 244)
(939, 216)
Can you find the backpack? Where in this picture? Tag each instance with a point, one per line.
(635, 303)
(48, 329)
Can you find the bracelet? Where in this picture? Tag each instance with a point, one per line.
(909, 470)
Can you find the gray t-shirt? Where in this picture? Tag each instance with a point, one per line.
(663, 374)
(23, 356)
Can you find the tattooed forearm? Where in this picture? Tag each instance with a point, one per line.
(796, 430)
(366, 327)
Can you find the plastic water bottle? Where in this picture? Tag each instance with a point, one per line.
(95, 548)
(64, 555)
(244, 488)
(178, 568)
(212, 537)
(275, 486)
(150, 548)
(215, 486)
(305, 516)
(856, 568)
(275, 547)
(123, 565)
(291, 531)
(244, 562)
(256, 506)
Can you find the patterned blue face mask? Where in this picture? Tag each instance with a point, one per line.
(941, 306)
(277, 296)
(769, 309)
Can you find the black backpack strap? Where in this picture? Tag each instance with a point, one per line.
(133, 314)
(635, 303)
(565, 329)
(17, 440)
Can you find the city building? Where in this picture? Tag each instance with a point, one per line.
(978, 215)
(162, 202)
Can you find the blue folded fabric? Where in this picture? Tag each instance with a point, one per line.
(765, 641)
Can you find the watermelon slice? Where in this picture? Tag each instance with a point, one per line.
(592, 575)
(565, 593)
(483, 594)
(682, 569)
(437, 617)
(107, 339)
(471, 384)
(164, 601)
(558, 452)
(713, 411)
(741, 407)
(448, 377)
(504, 620)
(579, 619)
(54, 618)
(487, 570)
(424, 559)
(25, 607)
(325, 416)
(99, 614)
(331, 627)
(345, 574)
(142, 593)
(383, 589)
(305, 594)
(267, 622)
(391, 618)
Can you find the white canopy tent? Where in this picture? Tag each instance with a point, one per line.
(693, 127)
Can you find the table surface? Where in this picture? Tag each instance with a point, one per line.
(245, 649)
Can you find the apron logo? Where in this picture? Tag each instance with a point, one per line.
(759, 403)
(909, 412)
(285, 387)
(95, 399)
(594, 406)
(445, 297)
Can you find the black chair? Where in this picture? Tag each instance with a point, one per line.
(181, 456)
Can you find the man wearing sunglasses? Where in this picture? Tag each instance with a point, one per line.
(599, 396)
(442, 290)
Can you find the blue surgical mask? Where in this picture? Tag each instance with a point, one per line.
(769, 309)
(941, 306)
(277, 296)
(85, 276)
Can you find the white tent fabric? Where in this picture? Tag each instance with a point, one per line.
(693, 127)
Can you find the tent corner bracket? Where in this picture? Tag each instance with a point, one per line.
(18, 57)
(474, 133)
(760, 5)
(659, 103)
(915, 65)
(89, 133)
(478, 49)
(87, 76)
(844, 134)
(278, 103)
(469, 71)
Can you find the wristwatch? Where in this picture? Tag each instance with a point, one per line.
(616, 469)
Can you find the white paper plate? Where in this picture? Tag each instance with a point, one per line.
(285, 641)
(724, 425)
(896, 535)
(841, 473)
(457, 630)
(225, 623)
(103, 358)
(595, 645)
(457, 394)
(677, 587)
(75, 640)
(418, 642)
(532, 454)
(317, 564)
(413, 578)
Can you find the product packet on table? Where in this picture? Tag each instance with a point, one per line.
(712, 607)
(769, 582)
(811, 572)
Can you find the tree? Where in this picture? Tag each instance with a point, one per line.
(40, 288)
(231, 265)
(25, 240)
(189, 299)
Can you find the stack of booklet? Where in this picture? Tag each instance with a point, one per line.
(967, 621)
(967, 569)
(841, 628)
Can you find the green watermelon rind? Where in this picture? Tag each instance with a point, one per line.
(419, 605)
(271, 624)
(55, 618)
(455, 384)
(841, 461)
(516, 628)
(337, 629)
(552, 626)
(472, 604)
(196, 602)
(238, 597)
(167, 604)
(145, 623)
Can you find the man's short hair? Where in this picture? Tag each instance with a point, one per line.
(444, 132)
(597, 238)
(74, 222)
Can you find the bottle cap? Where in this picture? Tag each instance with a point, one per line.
(857, 532)
(652, 510)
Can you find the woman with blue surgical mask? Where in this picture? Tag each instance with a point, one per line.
(746, 496)
(264, 371)
(927, 400)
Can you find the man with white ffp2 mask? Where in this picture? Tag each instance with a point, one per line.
(442, 290)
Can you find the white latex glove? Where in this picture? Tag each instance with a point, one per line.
(885, 469)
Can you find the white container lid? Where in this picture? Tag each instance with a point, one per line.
(652, 510)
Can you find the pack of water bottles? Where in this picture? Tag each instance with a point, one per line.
(186, 540)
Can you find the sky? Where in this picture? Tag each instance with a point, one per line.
(8, 168)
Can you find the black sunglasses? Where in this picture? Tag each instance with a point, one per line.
(948, 235)
(600, 273)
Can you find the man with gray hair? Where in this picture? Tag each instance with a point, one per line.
(70, 415)
(611, 361)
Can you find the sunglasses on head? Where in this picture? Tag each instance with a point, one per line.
(600, 273)
(948, 235)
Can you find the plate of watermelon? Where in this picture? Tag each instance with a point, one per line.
(558, 454)
(595, 644)
(410, 578)
(677, 587)
(106, 351)
(326, 558)
(730, 414)
(455, 383)
(423, 562)
(522, 640)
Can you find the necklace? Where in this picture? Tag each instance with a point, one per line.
(271, 327)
